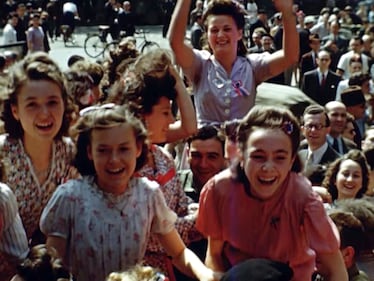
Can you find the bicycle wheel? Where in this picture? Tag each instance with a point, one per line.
(94, 46)
(149, 46)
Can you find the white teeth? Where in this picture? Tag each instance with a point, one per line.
(44, 124)
(115, 170)
(267, 179)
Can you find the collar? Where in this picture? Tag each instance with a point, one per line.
(318, 153)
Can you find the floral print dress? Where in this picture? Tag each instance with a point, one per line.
(105, 232)
(21, 177)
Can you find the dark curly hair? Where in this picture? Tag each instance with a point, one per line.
(104, 117)
(146, 81)
(227, 8)
(333, 169)
(37, 66)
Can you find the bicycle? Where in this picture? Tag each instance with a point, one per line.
(146, 45)
(96, 45)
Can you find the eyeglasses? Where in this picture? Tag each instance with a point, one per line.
(324, 59)
(317, 127)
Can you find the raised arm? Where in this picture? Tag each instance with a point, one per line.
(184, 54)
(187, 125)
(289, 55)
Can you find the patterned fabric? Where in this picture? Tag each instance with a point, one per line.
(13, 241)
(105, 232)
(21, 177)
(177, 201)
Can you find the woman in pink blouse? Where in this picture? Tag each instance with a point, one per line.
(264, 208)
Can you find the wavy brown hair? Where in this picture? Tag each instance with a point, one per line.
(333, 169)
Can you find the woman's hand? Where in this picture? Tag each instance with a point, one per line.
(211, 275)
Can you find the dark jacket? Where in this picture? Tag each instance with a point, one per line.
(321, 94)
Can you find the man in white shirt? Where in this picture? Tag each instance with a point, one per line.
(9, 32)
(70, 14)
(355, 44)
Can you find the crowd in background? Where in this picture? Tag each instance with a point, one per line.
(162, 166)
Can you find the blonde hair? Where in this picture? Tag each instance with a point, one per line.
(137, 273)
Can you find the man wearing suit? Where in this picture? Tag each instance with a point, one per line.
(321, 84)
(309, 60)
(337, 113)
(318, 154)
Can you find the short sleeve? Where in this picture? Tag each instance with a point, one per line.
(56, 217)
(197, 67)
(164, 217)
(13, 240)
(321, 231)
(8, 206)
(209, 220)
(260, 66)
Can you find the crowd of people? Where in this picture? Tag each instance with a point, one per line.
(161, 166)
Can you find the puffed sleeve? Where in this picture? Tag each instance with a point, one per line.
(56, 216)
(321, 231)
(209, 219)
(164, 217)
(13, 240)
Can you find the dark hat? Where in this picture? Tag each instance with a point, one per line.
(353, 96)
(259, 270)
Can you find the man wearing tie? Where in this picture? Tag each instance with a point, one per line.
(309, 60)
(318, 154)
(337, 113)
(321, 84)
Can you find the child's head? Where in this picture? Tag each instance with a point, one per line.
(268, 140)
(80, 88)
(351, 232)
(348, 176)
(229, 8)
(42, 264)
(36, 101)
(111, 144)
(95, 70)
(137, 273)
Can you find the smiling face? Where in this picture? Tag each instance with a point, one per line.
(267, 161)
(40, 110)
(223, 35)
(158, 121)
(114, 158)
(206, 159)
(315, 130)
(348, 179)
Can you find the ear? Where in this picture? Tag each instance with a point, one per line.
(240, 33)
(15, 111)
(139, 149)
(348, 254)
(89, 152)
